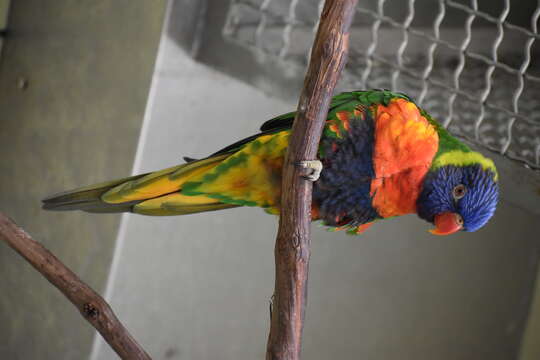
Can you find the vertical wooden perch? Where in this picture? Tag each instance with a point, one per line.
(292, 250)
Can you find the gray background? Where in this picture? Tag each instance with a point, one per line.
(88, 65)
(198, 287)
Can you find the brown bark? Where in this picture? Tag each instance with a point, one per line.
(91, 306)
(292, 250)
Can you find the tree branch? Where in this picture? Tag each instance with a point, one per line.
(92, 306)
(292, 250)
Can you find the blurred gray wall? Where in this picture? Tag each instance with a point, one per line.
(74, 80)
(530, 345)
(4, 7)
(198, 287)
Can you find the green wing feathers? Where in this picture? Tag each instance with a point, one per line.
(159, 183)
(250, 176)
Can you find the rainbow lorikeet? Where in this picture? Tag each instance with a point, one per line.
(382, 156)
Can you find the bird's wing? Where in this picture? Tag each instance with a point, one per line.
(159, 183)
(251, 176)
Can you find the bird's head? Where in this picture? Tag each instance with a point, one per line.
(459, 196)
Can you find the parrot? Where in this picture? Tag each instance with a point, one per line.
(380, 156)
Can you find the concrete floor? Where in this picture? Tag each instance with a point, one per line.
(74, 80)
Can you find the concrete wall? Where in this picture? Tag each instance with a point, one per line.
(74, 80)
(198, 286)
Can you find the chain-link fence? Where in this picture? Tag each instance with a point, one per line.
(472, 64)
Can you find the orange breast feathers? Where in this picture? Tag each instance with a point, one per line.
(405, 144)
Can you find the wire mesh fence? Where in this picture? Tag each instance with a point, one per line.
(472, 64)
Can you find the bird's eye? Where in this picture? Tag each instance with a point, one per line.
(459, 220)
(459, 191)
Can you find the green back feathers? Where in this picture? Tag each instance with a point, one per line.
(383, 97)
(346, 101)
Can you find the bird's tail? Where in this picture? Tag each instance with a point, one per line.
(156, 193)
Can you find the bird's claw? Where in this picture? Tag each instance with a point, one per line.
(314, 166)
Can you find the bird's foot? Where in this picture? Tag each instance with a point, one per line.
(314, 166)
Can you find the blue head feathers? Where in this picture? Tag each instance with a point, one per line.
(469, 191)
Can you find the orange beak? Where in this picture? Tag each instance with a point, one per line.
(447, 223)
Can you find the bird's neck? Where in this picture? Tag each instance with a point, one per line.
(447, 142)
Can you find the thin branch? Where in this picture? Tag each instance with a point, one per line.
(292, 250)
(92, 306)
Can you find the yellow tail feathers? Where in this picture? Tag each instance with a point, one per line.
(156, 193)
